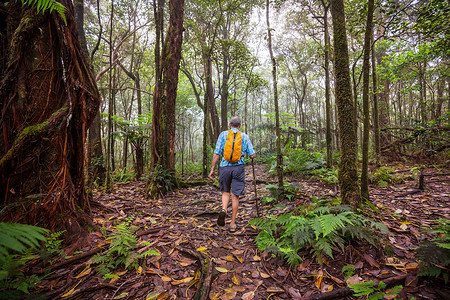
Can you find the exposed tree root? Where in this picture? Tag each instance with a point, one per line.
(206, 276)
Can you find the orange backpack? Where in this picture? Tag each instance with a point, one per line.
(233, 147)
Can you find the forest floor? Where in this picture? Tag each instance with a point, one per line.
(190, 247)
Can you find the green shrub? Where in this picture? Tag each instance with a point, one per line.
(317, 227)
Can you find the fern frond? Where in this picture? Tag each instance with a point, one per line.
(322, 245)
(330, 223)
(44, 5)
(18, 237)
(366, 288)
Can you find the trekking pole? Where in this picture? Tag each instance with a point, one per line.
(256, 193)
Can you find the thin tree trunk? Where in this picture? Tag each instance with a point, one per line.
(275, 99)
(109, 184)
(376, 119)
(366, 114)
(328, 137)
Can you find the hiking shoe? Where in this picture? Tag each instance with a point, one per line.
(221, 218)
(233, 229)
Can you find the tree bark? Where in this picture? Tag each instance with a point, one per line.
(328, 137)
(275, 99)
(163, 124)
(348, 176)
(366, 114)
(48, 100)
(96, 166)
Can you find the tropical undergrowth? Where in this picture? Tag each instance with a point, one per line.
(304, 162)
(19, 245)
(320, 227)
(122, 252)
(434, 255)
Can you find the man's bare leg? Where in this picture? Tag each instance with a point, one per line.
(234, 206)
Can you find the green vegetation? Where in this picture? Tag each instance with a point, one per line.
(16, 244)
(318, 227)
(434, 255)
(373, 290)
(47, 5)
(121, 251)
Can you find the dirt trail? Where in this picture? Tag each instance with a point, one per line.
(182, 228)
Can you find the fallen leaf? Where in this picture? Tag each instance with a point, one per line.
(71, 291)
(229, 295)
(181, 281)
(371, 261)
(85, 272)
(214, 295)
(139, 270)
(318, 281)
(222, 270)
(275, 290)
(121, 296)
(228, 258)
(202, 250)
(327, 288)
(166, 278)
(236, 280)
(256, 258)
(239, 258)
(354, 279)
(248, 296)
(412, 266)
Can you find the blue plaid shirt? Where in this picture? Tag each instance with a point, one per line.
(246, 148)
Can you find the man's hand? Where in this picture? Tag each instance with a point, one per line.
(253, 156)
(212, 174)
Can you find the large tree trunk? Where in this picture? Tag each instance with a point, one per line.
(366, 115)
(48, 99)
(348, 171)
(163, 135)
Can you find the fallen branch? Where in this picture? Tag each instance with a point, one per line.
(72, 259)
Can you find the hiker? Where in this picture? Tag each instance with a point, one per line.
(232, 145)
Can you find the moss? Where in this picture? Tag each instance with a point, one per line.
(21, 140)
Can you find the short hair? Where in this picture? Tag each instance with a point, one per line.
(235, 121)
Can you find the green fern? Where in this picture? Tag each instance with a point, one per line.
(50, 5)
(16, 242)
(318, 227)
(18, 237)
(373, 290)
(434, 255)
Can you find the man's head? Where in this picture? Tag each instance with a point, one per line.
(235, 122)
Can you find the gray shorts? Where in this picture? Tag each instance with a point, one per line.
(232, 177)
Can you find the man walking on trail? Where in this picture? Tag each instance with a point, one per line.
(232, 145)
